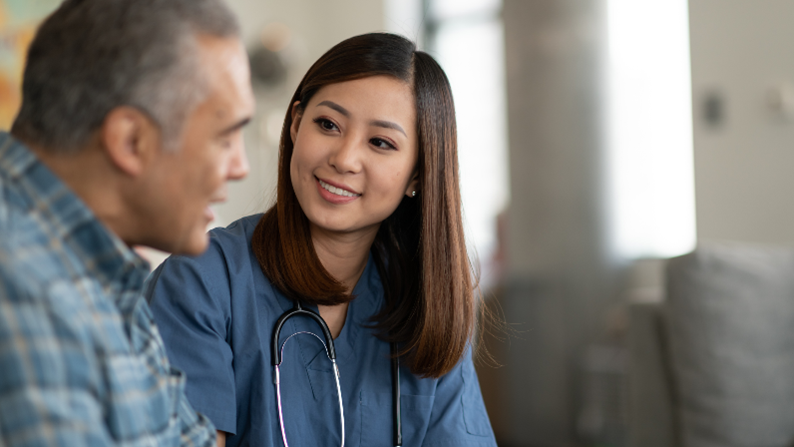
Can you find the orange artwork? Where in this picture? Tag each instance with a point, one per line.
(18, 22)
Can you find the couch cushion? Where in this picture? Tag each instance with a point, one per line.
(731, 330)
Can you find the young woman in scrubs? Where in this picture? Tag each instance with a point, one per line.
(366, 230)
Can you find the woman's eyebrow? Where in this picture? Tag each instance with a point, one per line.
(378, 123)
(387, 125)
(336, 107)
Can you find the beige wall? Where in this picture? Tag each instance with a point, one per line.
(744, 168)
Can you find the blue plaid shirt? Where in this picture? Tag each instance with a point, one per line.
(81, 361)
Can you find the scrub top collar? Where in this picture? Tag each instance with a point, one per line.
(368, 300)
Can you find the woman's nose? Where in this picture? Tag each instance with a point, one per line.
(346, 156)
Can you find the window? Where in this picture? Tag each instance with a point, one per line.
(649, 128)
(466, 38)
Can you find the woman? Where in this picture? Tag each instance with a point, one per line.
(367, 231)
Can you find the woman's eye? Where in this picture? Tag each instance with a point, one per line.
(325, 124)
(381, 143)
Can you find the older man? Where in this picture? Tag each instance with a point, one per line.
(129, 129)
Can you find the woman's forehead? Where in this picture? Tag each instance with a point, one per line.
(367, 92)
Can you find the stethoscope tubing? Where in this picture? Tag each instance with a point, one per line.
(298, 310)
(330, 351)
(277, 381)
(395, 396)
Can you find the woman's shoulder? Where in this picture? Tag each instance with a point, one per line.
(228, 259)
(228, 250)
(227, 245)
(236, 234)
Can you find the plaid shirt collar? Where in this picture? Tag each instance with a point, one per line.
(100, 252)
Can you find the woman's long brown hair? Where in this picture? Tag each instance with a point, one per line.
(420, 250)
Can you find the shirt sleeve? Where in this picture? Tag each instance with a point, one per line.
(459, 418)
(56, 391)
(190, 298)
(45, 399)
(195, 429)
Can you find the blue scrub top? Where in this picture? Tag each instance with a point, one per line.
(216, 313)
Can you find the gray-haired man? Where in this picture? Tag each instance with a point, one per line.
(129, 129)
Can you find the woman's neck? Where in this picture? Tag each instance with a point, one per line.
(343, 255)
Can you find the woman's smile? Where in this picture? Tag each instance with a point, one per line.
(335, 194)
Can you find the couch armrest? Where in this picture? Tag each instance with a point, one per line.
(651, 417)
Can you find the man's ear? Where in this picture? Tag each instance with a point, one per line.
(130, 139)
(296, 121)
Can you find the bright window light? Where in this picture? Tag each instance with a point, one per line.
(406, 18)
(649, 128)
(466, 38)
(472, 54)
(447, 9)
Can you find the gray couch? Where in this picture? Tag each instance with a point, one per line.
(712, 365)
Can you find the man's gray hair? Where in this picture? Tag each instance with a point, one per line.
(91, 56)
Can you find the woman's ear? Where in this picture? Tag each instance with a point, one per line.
(413, 186)
(296, 121)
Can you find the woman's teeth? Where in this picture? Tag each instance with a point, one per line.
(338, 191)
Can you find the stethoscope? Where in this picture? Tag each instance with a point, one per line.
(331, 353)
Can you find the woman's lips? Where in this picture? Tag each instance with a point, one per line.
(335, 194)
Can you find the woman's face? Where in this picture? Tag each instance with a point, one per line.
(355, 152)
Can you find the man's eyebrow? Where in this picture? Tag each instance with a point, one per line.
(388, 125)
(238, 125)
(336, 107)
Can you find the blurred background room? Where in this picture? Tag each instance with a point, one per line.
(627, 168)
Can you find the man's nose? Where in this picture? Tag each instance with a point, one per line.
(239, 166)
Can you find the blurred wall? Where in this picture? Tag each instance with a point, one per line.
(313, 26)
(744, 150)
(317, 24)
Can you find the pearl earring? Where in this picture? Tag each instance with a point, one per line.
(413, 194)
